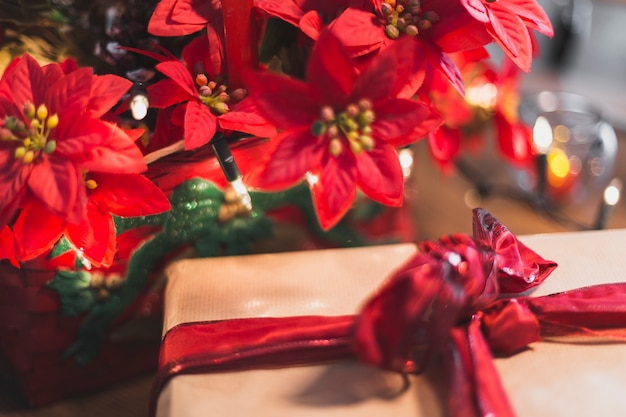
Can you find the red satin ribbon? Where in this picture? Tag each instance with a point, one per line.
(447, 301)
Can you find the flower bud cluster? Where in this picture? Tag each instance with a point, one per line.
(354, 123)
(104, 285)
(406, 16)
(232, 207)
(33, 139)
(214, 95)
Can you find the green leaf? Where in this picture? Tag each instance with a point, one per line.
(76, 294)
(234, 237)
(195, 206)
(61, 247)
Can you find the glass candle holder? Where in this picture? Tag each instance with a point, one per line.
(580, 149)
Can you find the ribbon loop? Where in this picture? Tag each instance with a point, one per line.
(510, 326)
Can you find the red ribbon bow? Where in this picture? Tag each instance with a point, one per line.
(457, 298)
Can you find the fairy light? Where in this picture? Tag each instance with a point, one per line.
(139, 101)
(542, 134)
(80, 254)
(231, 170)
(611, 197)
(406, 161)
(311, 178)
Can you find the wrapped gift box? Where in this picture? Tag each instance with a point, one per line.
(574, 378)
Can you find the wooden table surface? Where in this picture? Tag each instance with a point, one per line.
(438, 202)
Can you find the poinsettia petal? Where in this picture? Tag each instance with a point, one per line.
(36, 230)
(27, 82)
(532, 14)
(97, 145)
(7, 243)
(128, 195)
(179, 73)
(77, 133)
(441, 61)
(165, 93)
(420, 131)
(165, 132)
(110, 252)
(106, 91)
(70, 93)
(285, 102)
(380, 175)
(55, 182)
(13, 181)
(119, 154)
(514, 140)
(444, 145)
(311, 24)
(93, 235)
(397, 117)
(284, 10)
(68, 65)
(510, 32)
(199, 51)
(335, 189)
(245, 117)
(393, 69)
(359, 30)
(135, 134)
(289, 157)
(128, 241)
(53, 72)
(200, 125)
(7, 106)
(471, 35)
(162, 24)
(215, 36)
(477, 9)
(195, 12)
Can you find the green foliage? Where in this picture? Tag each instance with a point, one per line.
(76, 294)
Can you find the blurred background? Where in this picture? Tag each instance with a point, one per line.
(586, 57)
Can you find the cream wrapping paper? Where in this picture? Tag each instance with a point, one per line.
(549, 379)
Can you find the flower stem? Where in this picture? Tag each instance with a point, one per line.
(240, 39)
(163, 152)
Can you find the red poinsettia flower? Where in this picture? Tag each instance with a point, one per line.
(509, 22)
(197, 110)
(94, 236)
(340, 127)
(492, 96)
(52, 133)
(195, 86)
(437, 27)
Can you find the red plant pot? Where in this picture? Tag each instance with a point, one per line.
(34, 339)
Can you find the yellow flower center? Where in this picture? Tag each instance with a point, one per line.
(406, 16)
(31, 140)
(353, 124)
(212, 94)
(90, 183)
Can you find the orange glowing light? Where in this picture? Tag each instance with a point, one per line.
(558, 167)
